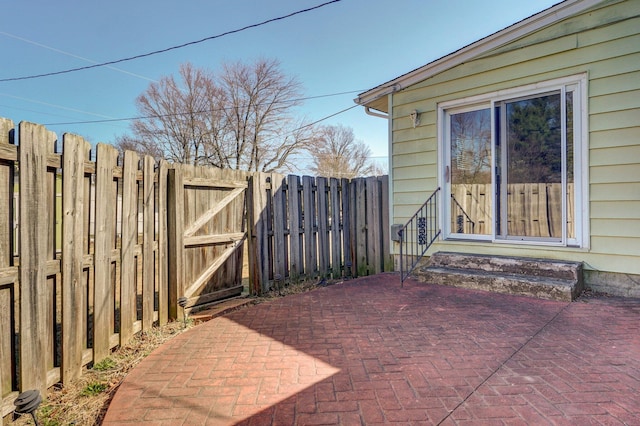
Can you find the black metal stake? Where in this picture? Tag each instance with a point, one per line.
(182, 302)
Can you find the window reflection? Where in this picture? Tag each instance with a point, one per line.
(471, 191)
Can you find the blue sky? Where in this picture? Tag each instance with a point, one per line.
(348, 46)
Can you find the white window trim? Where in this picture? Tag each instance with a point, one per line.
(581, 154)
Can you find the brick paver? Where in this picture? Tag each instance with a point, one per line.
(369, 352)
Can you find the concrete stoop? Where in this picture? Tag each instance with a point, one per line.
(541, 278)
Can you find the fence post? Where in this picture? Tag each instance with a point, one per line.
(6, 257)
(163, 267)
(35, 143)
(175, 239)
(258, 253)
(76, 152)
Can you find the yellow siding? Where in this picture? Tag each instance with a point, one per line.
(622, 137)
(604, 43)
(615, 228)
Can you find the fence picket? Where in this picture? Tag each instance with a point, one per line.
(374, 249)
(309, 222)
(35, 143)
(278, 189)
(148, 237)
(103, 323)
(323, 227)
(296, 264)
(361, 265)
(128, 242)
(385, 224)
(336, 231)
(345, 192)
(76, 152)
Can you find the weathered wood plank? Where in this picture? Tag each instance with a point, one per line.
(76, 152)
(208, 240)
(385, 224)
(129, 240)
(346, 227)
(9, 275)
(35, 143)
(336, 229)
(213, 211)
(323, 227)
(105, 224)
(296, 260)
(175, 239)
(258, 253)
(213, 183)
(6, 260)
(280, 255)
(309, 224)
(212, 269)
(148, 238)
(374, 246)
(163, 313)
(359, 195)
(8, 152)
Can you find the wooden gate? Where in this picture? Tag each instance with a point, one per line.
(207, 229)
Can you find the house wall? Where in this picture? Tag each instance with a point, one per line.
(603, 42)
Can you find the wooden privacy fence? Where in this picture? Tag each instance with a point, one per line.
(81, 273)
(531, 209)
(317, 228)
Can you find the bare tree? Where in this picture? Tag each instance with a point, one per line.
(336, 153)
(241, 119)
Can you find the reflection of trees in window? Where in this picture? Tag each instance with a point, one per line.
(471, 147)
(534, 140)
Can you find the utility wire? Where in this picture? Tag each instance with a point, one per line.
(44, 46)
(175, 114)
(179, 46)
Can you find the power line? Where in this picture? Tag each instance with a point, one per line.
(44, 46)
(175, 114)
(179, 46)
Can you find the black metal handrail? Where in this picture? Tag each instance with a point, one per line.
(417, 235)
(459, 221)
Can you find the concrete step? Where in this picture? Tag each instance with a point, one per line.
(541, 278)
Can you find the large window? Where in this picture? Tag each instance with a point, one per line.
(512, 164)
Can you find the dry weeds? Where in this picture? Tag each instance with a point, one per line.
(85, 401)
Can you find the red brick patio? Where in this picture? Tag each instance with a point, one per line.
(367, 352)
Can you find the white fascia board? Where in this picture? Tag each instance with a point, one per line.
(520, 29)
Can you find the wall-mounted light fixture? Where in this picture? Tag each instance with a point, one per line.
(415, 118)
